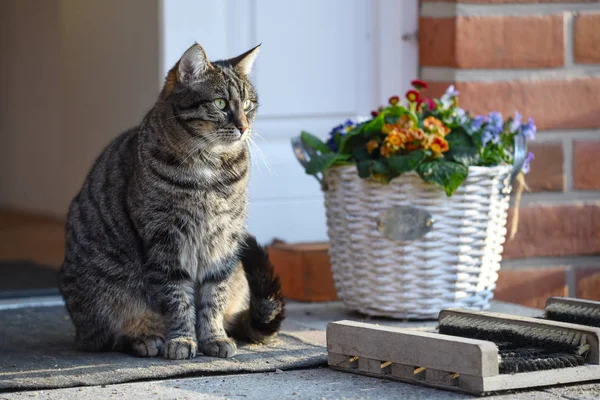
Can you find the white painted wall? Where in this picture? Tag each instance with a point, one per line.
(74, 75)
(92, 68)
(320, 63)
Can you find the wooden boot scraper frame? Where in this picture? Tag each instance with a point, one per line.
(451, 362)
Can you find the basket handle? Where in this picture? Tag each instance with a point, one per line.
(519, 156)
(304, 154)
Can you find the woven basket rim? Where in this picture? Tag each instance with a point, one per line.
(474, 168)
(495, 170)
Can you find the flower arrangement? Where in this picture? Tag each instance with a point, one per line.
(434, 137)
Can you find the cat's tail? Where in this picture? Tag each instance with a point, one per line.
(267, 309)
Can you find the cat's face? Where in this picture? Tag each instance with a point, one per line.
(214, 102)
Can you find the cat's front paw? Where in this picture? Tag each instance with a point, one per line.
(180, 348)
(221, 347)
(148, 346)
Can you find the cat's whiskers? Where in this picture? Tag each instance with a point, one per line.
(261, 154)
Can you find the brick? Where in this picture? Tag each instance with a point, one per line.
(588, 283)
(531, 287)
(586, 33)
(554, 104)
(547, 173)
(492, 42)
(555, 230)
(586, 165)
(304, 270)
(437, 42)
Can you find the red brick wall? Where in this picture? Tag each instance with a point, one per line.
(541, 58)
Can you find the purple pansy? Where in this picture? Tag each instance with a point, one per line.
(490, 134)
(477, 122)
(340, 130)
(451, 92)
(493, 129)
(461, 115)
(527, 165)
(495, 119)
(447, 98)
(515, 125)
(529, 130)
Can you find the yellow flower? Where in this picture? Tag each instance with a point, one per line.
(394, 140)
(417, 134)
(386, 150)
(405, 121)
(439, 145)
(387, 128)
(371, 145)
(434, 125)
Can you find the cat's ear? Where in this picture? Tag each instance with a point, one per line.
(244, 62)
(192, 64)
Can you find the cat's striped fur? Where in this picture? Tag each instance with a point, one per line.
(158, 260)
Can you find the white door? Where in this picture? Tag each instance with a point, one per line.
(321, 62)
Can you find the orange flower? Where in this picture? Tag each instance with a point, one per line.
(385, 150)
(371, 145)
(434, 125)
(405, 121)
(438, 145)
(387, 128)
(412, 146)
(396, 139)
(417, 134)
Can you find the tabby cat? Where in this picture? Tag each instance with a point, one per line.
(158, 260)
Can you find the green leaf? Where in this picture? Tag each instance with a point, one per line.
(394, 112)
(314, 142)
(351, 139)
(374, 126)
(320, 163)
(360, 154)
(462, 148)
(364, 168)
(401, 164)
(380, 168)
(447, 174)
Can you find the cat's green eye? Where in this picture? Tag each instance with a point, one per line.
(220, 103)
(247, 104)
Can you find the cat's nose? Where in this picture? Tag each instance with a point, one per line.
(242, 129)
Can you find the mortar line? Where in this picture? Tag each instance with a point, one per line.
(568, 38)
(560, 198)
(568, 163)
(501, 75)
(559, 135)
(574, 262)
(449, 10)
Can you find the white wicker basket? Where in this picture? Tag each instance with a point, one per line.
(455, 264)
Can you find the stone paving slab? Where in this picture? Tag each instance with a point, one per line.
(321, 383)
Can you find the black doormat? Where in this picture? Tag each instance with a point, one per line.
(20, 278)
(37, 352)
